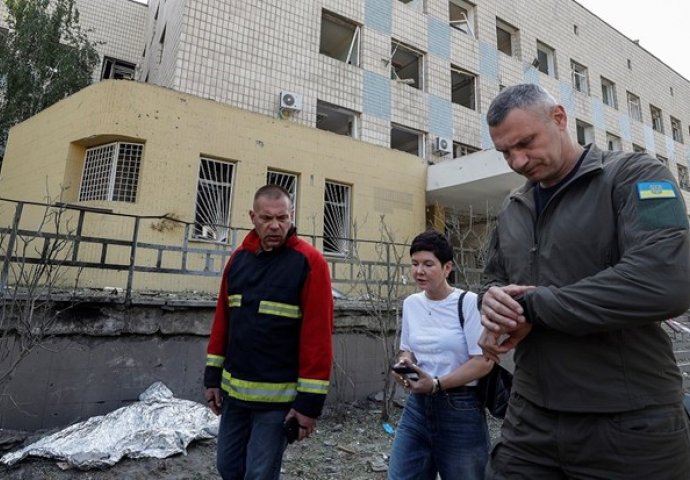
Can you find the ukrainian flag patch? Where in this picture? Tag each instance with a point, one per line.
(653, 190)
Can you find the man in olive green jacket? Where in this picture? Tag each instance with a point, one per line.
(585, 261)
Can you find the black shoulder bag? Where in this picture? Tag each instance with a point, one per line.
(493, 389)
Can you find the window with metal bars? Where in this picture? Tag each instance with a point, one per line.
(111, 172)
(336, 219)
(289, 182)
(213, 199)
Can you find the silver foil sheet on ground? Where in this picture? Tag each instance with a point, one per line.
(158, 425)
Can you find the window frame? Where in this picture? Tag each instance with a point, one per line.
(613, 142)
(550, 54)
(657, 116)
(512, 33)
(634, 106)
(676, 130)
(580, 76)
(421, 136)
(466, 74)
(354, 127)
(608, 91)
(353, 56)
(587, 132)
(204, 229)
(468, 10)
(406, 49)
(109, 180)
(336, 238)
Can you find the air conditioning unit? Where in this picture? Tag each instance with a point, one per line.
(443, 146)
(290, 101)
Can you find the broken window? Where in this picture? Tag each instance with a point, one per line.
(406, 65)
(638, 148)
(546, 59)
(585, 132)
(461, 16)
(213, 198)
(461, 149)
(407, 140)
(336, 119)
(657, 121)
(663, 160)
(286, 180)
(608, 93)
(683, 180)
(580, 80)
(634, 107)
(117, 69)
(111, 172)
(336, 218)
(676, 130)
(463, 87)
(613, 142)
(339, 38)
(506, 38)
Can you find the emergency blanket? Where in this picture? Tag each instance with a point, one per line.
(158, 425)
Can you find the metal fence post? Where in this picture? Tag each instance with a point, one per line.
(10, 245)
(132, 260)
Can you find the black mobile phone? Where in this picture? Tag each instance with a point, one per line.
(403, 370)
(291, 429)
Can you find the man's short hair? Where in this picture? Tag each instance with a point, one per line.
(272, 192)
(524, 96)
(432, 241)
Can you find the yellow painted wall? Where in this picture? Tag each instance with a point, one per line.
(46, 153)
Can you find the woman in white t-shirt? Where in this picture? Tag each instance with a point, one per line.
(443, 428)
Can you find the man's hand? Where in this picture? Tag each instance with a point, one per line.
(213, 399)
(501, 313)
(306, 424)
(494, 344)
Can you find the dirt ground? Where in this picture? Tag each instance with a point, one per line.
(349, 444)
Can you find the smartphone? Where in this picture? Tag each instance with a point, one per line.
(403, 370)
(291, 429)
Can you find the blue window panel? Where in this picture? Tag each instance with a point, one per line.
(649, 139)
(488, 60)
(624, 124)
(440, 117)
(376, 100)
(531, 75)
(378, 14)
(486, 136)
(670, 148)
(687, 155)
(598, 113)
(567, 100)
(439, 38)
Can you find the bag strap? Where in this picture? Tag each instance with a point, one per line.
(461, 315)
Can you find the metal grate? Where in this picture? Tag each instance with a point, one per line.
(111, 172)
(336, 218)
(213, 198)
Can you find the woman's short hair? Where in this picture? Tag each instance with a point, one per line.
(432, 241)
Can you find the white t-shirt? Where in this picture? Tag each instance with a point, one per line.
(431, 330)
